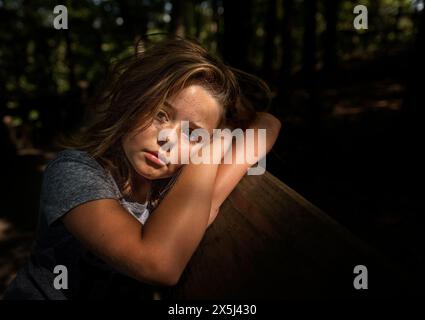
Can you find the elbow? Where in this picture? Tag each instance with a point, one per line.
(158, 272)
(274, 125)
(166, 278)
(269, 121)
(274, 122)
(169, 276)
(278, 124)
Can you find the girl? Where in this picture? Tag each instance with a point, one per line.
(111, 210)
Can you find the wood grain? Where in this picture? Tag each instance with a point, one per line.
(270, 242)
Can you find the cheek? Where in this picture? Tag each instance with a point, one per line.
(172, 170)
(137, 142)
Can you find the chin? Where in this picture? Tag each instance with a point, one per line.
(149, 173)
(152, 173)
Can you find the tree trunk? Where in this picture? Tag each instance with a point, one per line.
(309, 63)
(219, 31)
(135, 19)
(177, 26)
(269, 47)
(414, 102)
(330, 36)
(237, 33)
(309, 41)
(285, 87)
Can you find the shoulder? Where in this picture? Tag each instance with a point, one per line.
(76, 164)
(72, 178)
(74, 156)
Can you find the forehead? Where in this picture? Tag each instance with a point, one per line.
(195, 104)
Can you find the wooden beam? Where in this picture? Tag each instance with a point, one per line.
(270, 242)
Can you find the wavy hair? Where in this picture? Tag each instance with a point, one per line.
(138, 85)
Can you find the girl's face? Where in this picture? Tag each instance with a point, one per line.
(193, 104)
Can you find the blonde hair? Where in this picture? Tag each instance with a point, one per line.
(138, 85)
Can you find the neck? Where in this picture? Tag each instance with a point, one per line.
(140, 187)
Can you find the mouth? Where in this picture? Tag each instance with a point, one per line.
(152, 156)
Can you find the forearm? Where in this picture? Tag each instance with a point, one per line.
(229, 175)
(176, 227)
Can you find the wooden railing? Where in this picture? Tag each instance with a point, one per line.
(270, 242)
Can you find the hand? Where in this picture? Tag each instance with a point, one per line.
(212, 151)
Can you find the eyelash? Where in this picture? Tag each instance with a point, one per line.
(160, 117)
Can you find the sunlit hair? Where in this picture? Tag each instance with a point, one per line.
(137, 87)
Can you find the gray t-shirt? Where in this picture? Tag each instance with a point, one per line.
(71, 179)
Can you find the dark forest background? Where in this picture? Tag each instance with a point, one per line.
(351, 101)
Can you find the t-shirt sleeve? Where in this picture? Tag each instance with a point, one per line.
(71, 181)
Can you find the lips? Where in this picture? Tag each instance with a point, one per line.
(153, 157)
(155, 153)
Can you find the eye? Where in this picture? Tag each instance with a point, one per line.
(188, 132)
(161, 116)
(198, 138)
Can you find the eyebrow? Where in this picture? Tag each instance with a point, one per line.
(198, 126)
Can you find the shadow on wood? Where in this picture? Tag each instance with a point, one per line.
(269, 242)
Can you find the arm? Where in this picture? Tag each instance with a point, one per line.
(228, 175)
(158, 252)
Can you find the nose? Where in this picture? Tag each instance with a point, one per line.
(168, 136)
(167, 141)
(177, 143)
